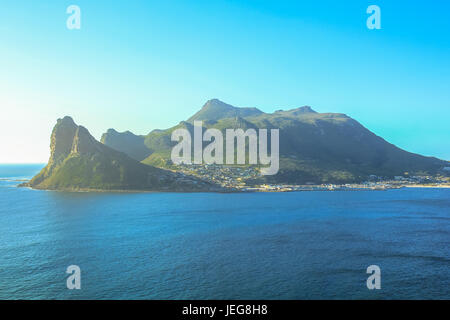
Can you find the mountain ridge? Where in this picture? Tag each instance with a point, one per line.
(314, 147)
(215, 109)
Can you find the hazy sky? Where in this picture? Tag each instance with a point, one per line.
(141, 65)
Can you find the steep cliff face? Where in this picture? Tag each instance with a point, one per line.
(61, 142)
(79, 162)
(84, 143)
(62, 139)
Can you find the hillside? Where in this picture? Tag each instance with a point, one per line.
(79, 162)
(126, 142)
(314, 147)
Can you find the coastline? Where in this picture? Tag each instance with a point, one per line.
(444, 186)
(87, 190)
(253, 190)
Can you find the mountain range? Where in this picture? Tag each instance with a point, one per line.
(314, 148)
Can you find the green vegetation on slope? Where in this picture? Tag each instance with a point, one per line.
(314, 147)
(79, 162)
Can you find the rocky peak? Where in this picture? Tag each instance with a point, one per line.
(61, 140)
(217, 105)
(302, 110)
(215, 109)
(83, 142)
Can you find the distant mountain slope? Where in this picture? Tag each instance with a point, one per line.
(79, 162)
(331, 147)
(314, 147)
(126, 142)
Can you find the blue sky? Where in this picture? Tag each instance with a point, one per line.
(141, 65)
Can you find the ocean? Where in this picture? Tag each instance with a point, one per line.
(296, 245)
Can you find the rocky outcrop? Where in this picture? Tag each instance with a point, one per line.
(79, 162)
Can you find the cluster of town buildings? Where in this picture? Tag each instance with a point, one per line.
(243, 178)
(230, 177)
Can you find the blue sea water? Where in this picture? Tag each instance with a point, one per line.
(300, 245)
